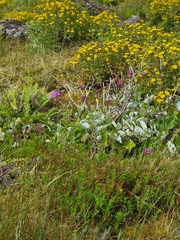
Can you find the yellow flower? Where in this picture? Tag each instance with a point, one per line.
(153, 80)
(174, 66)
(167, 93)
(18, 119)
(159, 101)
(162, 95)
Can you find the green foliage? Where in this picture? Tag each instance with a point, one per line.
(151, 55)
(110, 2)
(23, 3)
(166, 12)
(3, 5)
(133, 129)
(106, 192)
(24, 110)
(99, 156)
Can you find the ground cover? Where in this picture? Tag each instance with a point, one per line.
(89, 122)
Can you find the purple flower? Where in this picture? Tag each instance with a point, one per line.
(42, 109)
(84, 97)
(119, 84)
(108, 101)
(143, 74)
(130, 72)
(148, 150)
(39, 127)
(55, 94)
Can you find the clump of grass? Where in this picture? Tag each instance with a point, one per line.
(165, 226)
(20, 60)
(57, 185)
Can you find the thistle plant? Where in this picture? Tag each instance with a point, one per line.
(20, 111)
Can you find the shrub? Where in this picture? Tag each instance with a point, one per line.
(151, 55)
(167, 12)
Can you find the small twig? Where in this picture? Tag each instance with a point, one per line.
(71, 97)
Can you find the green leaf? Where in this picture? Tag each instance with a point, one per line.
(104, 138)
(129, 145)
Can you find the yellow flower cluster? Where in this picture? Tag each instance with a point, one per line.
(161, 96)
(165, 9)
(21, 16)
(135, 44)
(49, 10)
(105, 17)
(101, 24)
(85, 53)
(68, 19)
(152, 54)
(64, 16)
(3, 2)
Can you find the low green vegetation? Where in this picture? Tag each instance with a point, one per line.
(89, 122)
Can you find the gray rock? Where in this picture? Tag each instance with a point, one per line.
(12, 29)
(93, 7)
(133, 19)
(6, 175)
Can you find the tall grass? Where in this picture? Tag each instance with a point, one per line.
(62, 193)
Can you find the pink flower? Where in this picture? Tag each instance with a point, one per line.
(119, 84)
(39, 127)
(84, 97)
(148, 150)
(55, 94)
(130, 72)
(143, 74)
(108, 101)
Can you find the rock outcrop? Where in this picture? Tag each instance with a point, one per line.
(133, 19)
(95, 8)
(12, 29)
(7, 174)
